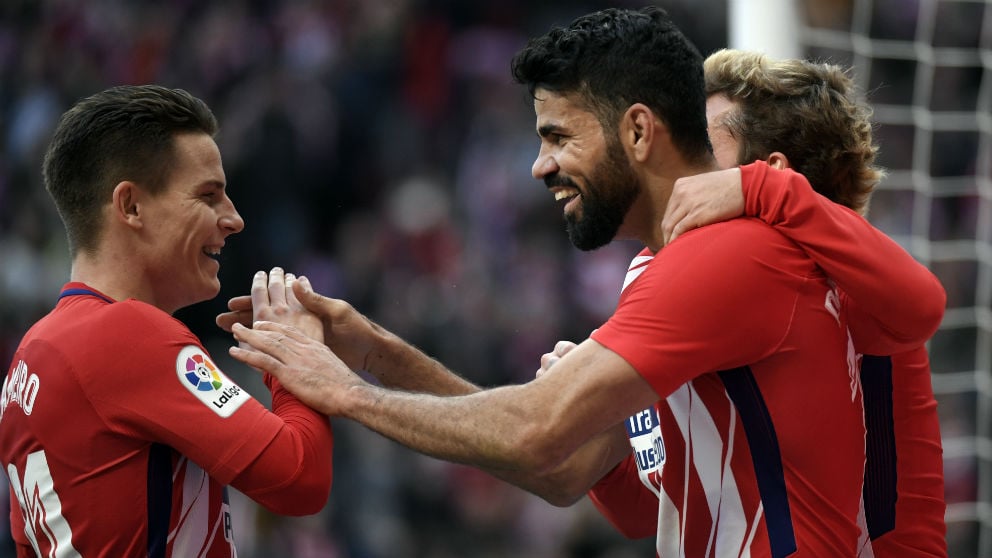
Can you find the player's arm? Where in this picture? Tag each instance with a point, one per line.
(534, 428)
(363, 344)
(292, 475)
(395, 363)
(526, 429)
(625, 502)
(897, 302)
(619, 495)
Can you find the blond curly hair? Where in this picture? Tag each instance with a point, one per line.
(806, 110)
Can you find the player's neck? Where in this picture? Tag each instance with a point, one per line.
(658, 192)
(109, 273)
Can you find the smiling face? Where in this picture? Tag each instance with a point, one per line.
(185, 226)
(580, 165)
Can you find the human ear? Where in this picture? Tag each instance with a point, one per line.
(125, 204)
(778, 160)
(637, 131)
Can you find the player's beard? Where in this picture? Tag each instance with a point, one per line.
(610, 191)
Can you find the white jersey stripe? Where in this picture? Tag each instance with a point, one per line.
(637, 266)
(732, 520)
(191, 529)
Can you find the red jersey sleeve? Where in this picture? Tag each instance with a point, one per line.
(625, 502)
(293, 475)
(179, 397)
(896, 302)
(719, 297)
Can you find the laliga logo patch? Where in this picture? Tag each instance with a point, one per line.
(205, 381)
(202, 373)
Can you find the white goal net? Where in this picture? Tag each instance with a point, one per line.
(926, 67)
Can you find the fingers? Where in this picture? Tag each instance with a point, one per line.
(291, 297)
(675, 224)
(227, 320)
(277, 286)
(684, 225)
(548, 360)
(304, 292)
(257, 360)
(259, 292)
(562, 348)
(239, 303)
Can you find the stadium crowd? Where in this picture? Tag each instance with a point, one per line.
(385, 141)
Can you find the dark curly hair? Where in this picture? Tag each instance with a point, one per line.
(614, 58)
(122, 133)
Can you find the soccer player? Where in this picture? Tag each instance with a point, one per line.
(803, 115)
(734, 315)
(762, 109)
(118, 432)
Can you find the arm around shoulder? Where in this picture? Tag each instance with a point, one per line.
(897, 302)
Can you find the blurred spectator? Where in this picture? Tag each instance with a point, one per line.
(385, 141)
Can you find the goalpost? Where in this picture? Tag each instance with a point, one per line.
(926, 67)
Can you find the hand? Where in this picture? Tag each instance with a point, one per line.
(347, 332)
(239, 313)
(304, 366)
(701, 200)
(548, 359)
(273, 300)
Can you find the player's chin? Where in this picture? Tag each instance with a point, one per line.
(210, 287)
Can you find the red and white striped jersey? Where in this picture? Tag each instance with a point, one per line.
(118, 434)
(674, 464)
(757, 448)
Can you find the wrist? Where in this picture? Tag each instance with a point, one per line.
(384, 347)
(360, 400)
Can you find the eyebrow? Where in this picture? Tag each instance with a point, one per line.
(547, 129)
(215, 184)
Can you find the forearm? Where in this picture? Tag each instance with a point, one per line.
(573, 478)
(885, 282)
(492, 433)
(293, 474)
(397, 364)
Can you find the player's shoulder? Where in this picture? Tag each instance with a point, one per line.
(133, 319)
(740, 238)
(740, 250)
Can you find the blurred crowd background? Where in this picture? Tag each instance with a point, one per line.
(380, 148)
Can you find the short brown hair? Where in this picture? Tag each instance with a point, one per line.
(122, 133)
(806, 110)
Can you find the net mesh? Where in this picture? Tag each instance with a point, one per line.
(926, 67)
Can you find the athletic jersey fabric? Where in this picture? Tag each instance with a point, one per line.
(740, 333)
(904, 491)
(904, 481)
(901, 419)
(118, 434)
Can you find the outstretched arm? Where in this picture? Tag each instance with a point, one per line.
(292, 475)
(527, 434)
(897, 302)
(362, 344)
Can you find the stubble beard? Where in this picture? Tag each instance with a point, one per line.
(608, 196)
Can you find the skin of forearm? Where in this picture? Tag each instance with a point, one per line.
(492, 429)
(567, 483)
(399, 365)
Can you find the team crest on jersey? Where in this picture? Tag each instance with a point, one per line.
(207, 383)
